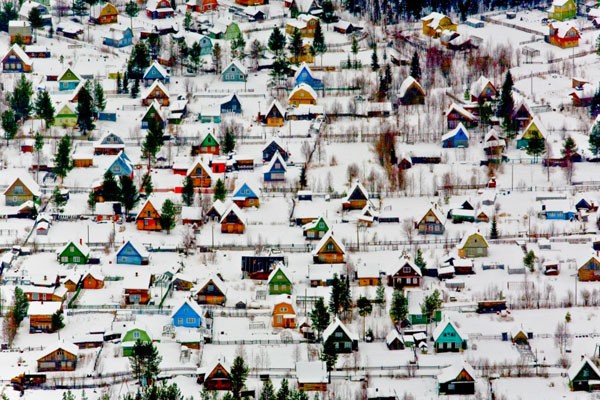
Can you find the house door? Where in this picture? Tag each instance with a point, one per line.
(230, 228)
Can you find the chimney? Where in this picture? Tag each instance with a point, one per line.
(80, 241)
(136, 274)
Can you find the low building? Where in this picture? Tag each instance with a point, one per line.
(312, 376)
(58, 357)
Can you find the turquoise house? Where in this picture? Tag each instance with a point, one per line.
(188, 315)
(448, 338)
(69, 80)
(132, 253)
(122, 165)
(206, 46)
(234, 72)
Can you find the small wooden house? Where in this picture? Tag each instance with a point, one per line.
(457, 114)
(118, 36)
(582, 374)
(305, 75)
(234, 72)
(305, 23)
(211, 291)
(343, 340)
(131, 336)
(521, 115)
(275, 169)
(208, 145)
(21, 190)
(74, 253)
(589, 271)
(231, 104)
(66, 116)
(357, 197)
(432, 222)
(21, 30)
(159, 9)
(283, 313)
(245, 196)
(407, 275)
(447, 337)
(562, 10)
(482, 90)
(533, 129)
(201, 6)
(15, 60)
(232, 220)
(456, 138)
(279, 281)
(93, 280)
(329, 250)
(219, 378)
(563, 35)
(435, 23)
(109, 144)
(394, 340)
(156, 92)
(58, 357)
(458, 379)
(104, 14)
(312, 376)
(137, 288)
(188, 315)
(69, 80)
(200, 174)
(315, 229)
(272, 147)
(302, 94)
(411, 93)
(473, 245)
(40, 315)
(153, 111)
(155, 72)
(275, 115)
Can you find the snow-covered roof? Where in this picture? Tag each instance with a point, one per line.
(415, 298)
(278, 267)
(140, 248)
(43, 307)
(155, 85)
(478, 86)
(454, 131)
(462, 111)
(466, 237)
(442, 326)
(68, 347)
(193, 305)
(434, 18)
(311, 372)
(152, 5)
(29, 183)
(20, 53)
(407, 83)
(203, 165)
(238, 65)
(392, 335)
(233, 208)
(534, 121)
(333, 326)
(83, 248)
(451, 373)
(141, 280)
(305, 87)
(325, 239)
(562, 28)
(276, 157)
(575, 368)
(161, 70)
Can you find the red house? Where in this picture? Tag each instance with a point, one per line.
(407, 275)
(159, 9)
(218, 379)
(563, 35)
(137, 288)
(201, 6)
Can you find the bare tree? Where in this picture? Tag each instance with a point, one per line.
(561, 336)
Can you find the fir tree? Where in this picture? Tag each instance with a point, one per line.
(239, 375)
(20, 99)
(147, 184)
(535, 147)
(267, 392)
(319, 316)
(78, 7)
(295, 46)
(220, 191)
(374, 60)
(595, 104)
(506, 104)
(92, 201)
(399, 307)
(99, 99)
(329, 355)
(328, 14)
(58, 199)
(276, 42)
(594, 139)
(228, 144)
(494, 229)
(119, 89)
(144, 362)
(354, 49)
(529, 260)
(319, 46)
(132, 10)
(57, 321)
(44, 108)
(419, 261)
(62, 160)
(415, 66)
(167, 216)
(20, 305)
(85, 109)
(135, 89)
(125, 83)
(9, 125)
(128, 195)
(431, 305)
(284, 390)
(187, 193)
(110, 187)
(217, 57)
(365, 308)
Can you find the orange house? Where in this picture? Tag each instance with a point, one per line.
(302, 94)
(105, 14)
(200, 174)
(137, 288)
(232, 221)
(275, 115)
(219, 378)
(201, 6)
(329, 251)
(284, 315)
(211, 292)
(157, 91)
(252, 2)
(61, 357)
(93, 280)
(563, 35)
(148, 219)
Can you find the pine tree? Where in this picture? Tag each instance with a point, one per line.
(276, 42)
(132, 10)
(267, 392)
(399, 307)
(374, 60)
(217, 57)
(85, 109)
(228, 144)
(238, 47)
(187, 193)
(494, 229)
(20, 99)
(9, 125)
(58, 199)
(594, 139)
(78, 7)
(167, 216)
(44, 108)
(147, 184)
(319, 46)
(328, 14)
(415, 66)
(187, 21)
(431, 305)
(135, 89)
(354, 49)
(20, 305)
(595, 104)
(38, 145)
(128, 195)
(529, 260)
(92, 201)
(220, 191)
(506, 104)
(238, 374)
(99, 99)
(535, 147)
(419, 261)
(284, 390)
(295, 46)
(365, 308)
(329, 355)
(380, 294)
(110, 187)
(57, 321)
(125, 83)
(319, 316)
(139, 60)
(119, 89)
(62, 160)
(335, 295)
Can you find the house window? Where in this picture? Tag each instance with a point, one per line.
(72, 249)
(64, 259)
(211, 288)
(329, 246)
(18, 189)
(347, 345)
(338, 334)
(586, 373)
(75, 259)
(275, 287)
(406, 269)
(136, 334)
(190, 320)
(284, 309)
(179, 321)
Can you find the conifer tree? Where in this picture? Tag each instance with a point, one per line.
(85, 109)
(415, 66)
(220, 191)
(62, 161)
(44, 108)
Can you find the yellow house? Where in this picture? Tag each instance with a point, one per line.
(302, 94)
(533, 129)
(562, 10)
(306, 24)
(473, 245)
(329, 250)
(105, 14)
(435, 23)
(66, 116)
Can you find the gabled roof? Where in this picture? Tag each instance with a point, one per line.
(156, 84)
(152, 5)
(311, 372)
(405, 261)
(254, 190)
(233, 208)
(442, 327)
(19, 53)
(276, 140)
(277, 156)
(279, 267)
(333, 326)
(28, 182)
(302, 67)
(461, 110)
(278, 106)
(67, 70)
(239, 66)
(455, 131)
(407, 83)
(437, 214)
(82, 247)
(357, 186)
(393, 335)
(198, 161)
(313, 224)
(305, 87)
(534, 122)
(451, 373)
(192, 304)
(325, 239)
(154, 201)
(562, 28)
(158, 67)
(68, 347)
(219, 284)
(220, 206)
(156, 106)
(577, 367)
(466, 237)
(478, 86)
(139, 248)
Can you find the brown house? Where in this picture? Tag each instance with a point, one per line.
(60, 357)
(408, 275)
(157, 91)
(212, 291)
(357, 197)
(590, 271)
(137, 288)
(40, 315)
(231, 221)
(93, 280)
(219, 378)
(329, 250)
(312, 376)
(200, 174)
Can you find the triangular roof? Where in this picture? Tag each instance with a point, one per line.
(592, 258)
(152, 5)
(198, 162)
(158, 67)
(436, 213)
(20, 53)
(271, 163)
(405, 261)
(278, 106)
(325, 239)
(82, 247)
(276, 140)
(26, 181)
(70, 71)
(233, 208)
(240, 185)
(279, 268)
(393, 335)
(237, 64)
(156, 107)
(219, 284)
(333, 326)
(535, 122)
(450, 373)
(407, 83)
(68, 347)
(157, 84)
(455, 131)
(70, 109)
(521, 104)
(303, 67)
(478, 86)
(98, 8)
(313, 224)
(466, 237)
(305, 87)
(154, 202)
(220, 207)
(357, 186)
(192, 304)
(462, 111)
(445, 325)
(139, 248)
(577, 367)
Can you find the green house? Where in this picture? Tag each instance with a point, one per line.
(278, 281)
(69, 80)
(130, 337)
(315, 229)
(232, 31)
(447, 337)
(414, 299)
(562, 10)
(473, 245)
(582, 373)
(74, 253)
(343, 340)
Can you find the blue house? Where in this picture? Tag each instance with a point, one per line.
(231, 104)
(273, 147)
(122, 165)
(304, 75)
(246, 196)
(275, 170)
(188, 315)
(456, 138)
(234, 72)
(447, 337)
(206, 46)
(155, 72)
(558, 209)
(132, 253)
(119, 36)
(69, 80)
(16, 60)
